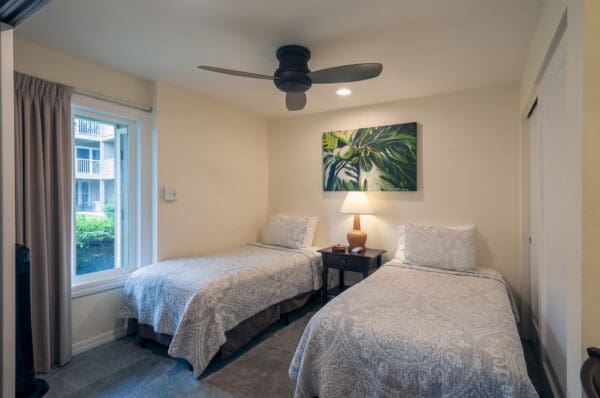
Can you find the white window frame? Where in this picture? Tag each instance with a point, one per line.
(142, 247)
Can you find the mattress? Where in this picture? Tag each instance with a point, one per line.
(415, 332)
(197, 300)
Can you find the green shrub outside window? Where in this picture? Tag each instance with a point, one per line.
(95, 241)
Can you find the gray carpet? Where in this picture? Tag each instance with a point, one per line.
(123, 369)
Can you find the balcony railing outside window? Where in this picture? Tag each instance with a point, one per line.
(95, 168)
(93, 128)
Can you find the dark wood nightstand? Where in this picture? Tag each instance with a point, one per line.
(346, 261)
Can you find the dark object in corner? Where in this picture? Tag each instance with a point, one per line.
(26, 385)
(590, 373)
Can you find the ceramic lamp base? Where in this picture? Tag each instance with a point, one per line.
(356, 238)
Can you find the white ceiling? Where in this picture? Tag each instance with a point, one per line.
(426, 46)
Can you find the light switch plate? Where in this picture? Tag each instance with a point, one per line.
(169, 194)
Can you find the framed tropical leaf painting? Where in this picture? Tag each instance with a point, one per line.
(380, 158)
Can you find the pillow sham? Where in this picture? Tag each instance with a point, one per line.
(285, 231)
(400, 247)
(451, 248)
(311, 231)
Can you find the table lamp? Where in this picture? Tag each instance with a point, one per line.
(356, 203)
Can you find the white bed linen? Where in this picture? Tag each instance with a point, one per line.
(198, 299)
(409, 331)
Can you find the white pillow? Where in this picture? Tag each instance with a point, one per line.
(285, 231)
(440, 247)
(400, 248)
(311, 231)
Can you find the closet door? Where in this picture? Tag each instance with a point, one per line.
(552, 163)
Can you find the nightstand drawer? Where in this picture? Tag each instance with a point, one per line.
(346, 263)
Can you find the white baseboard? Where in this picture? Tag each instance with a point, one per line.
(99, 340)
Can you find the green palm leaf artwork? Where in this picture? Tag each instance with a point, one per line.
(380, 158)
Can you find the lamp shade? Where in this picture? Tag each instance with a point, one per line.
(356, 203)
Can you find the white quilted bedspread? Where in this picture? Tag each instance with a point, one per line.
(410, 331)
(196, 300)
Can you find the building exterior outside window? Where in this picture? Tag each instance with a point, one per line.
(94, 165)
(100, 197)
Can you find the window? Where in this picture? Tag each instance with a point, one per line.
(101, 212)
(110, 193)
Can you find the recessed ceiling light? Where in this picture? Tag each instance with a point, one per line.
(343, 92)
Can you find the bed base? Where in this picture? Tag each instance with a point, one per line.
(236, 337)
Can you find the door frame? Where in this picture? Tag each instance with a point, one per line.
(7, 211)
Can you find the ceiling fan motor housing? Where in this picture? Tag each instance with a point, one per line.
(292, 74)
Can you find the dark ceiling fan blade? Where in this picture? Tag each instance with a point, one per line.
(235, 72)
(295, 101)
(346, 73)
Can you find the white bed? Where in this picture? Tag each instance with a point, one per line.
(442, 328)
(196, 300)
(409, 331)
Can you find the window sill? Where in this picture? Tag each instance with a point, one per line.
(92, 284)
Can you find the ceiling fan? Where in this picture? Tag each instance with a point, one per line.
(294, 78)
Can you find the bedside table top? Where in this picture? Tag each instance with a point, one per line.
(368, 253)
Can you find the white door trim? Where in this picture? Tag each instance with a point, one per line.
(7, 210)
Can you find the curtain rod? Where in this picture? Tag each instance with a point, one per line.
(117, 101)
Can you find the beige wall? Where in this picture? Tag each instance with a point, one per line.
(591, 177)
(216, 158)
(94, 319)
(36, 60)
(468, 171)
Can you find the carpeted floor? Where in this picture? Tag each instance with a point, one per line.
(123, 369)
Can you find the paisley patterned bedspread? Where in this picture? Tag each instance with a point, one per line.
(409, 331)
(196, 300)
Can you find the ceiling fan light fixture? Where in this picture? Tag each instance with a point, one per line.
(294, 78)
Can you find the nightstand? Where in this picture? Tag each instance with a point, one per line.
(364, 262)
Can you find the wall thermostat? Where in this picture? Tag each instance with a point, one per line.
(169, 194)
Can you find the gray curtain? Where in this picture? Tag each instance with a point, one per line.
(43, 164)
